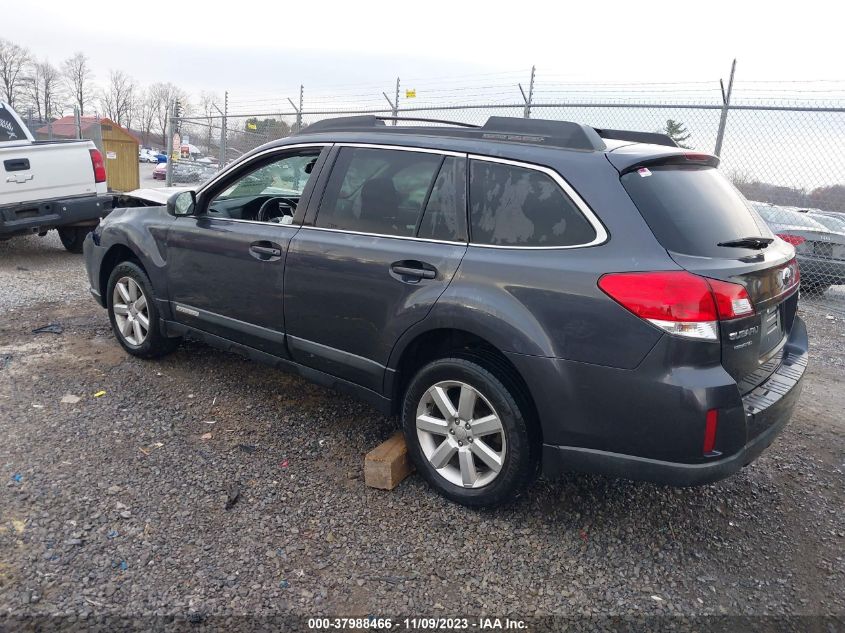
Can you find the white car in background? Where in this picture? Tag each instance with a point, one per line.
(147, 156)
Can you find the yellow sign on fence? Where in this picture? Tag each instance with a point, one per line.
(410, 94)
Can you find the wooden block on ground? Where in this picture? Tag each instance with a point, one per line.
(387, 464)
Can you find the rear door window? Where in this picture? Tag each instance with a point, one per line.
(691, 209)
(518, 206)
(10, 129)
(445, 212)
(378, 191)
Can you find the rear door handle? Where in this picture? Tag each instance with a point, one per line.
(420, 271)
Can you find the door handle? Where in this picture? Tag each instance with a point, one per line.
(264, 250)
(419, 271)
(16, 164)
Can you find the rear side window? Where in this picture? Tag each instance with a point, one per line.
(378, 191)
(518, 206)
(691, 209)
(445, 212)
(10, 129)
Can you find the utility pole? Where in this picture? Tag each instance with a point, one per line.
(174, 114)
(526, 113)
(726, 104)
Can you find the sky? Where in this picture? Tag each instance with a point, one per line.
(258, 47)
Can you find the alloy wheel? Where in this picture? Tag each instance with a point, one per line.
(461, 434)
(131, 312)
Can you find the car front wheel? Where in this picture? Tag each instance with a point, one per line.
(468, 434)
(133, 313)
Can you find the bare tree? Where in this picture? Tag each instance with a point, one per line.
(77, 77)
(14, 60)
(208, 106)
(43, 87)
(164, 95)
(146, 115)
(117, 97)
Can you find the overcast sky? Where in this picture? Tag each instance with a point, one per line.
(268, 47)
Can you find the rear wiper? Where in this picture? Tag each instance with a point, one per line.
(748, 242)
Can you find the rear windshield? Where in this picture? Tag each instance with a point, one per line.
(690, 209)
(10, 129)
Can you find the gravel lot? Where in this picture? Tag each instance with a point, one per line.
(118, 503)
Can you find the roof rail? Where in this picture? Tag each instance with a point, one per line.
(565, 134)
(370, 121)
(558, 133)
(655, 138)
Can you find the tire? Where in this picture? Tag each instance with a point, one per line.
(72, 237)
(140, 341)
(515, 448)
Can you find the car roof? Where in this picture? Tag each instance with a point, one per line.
(519, 139)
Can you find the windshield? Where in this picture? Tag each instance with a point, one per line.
(691, 209)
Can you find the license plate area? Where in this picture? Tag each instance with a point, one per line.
(771, 329)
(823, 249)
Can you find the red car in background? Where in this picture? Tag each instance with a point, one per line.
(160, 172)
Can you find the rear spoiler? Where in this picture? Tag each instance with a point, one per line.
(653, 138)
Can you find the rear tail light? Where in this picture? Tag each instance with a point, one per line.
(796, 272)
(679, 302)
(98, 165)
(711, 422)
(698, 157)
(795, 240)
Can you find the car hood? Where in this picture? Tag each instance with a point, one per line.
(156, 196)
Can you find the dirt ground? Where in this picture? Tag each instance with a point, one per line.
(203, 483)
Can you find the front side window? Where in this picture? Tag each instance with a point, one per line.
(268, 193)
(518, 206)
(378, 191)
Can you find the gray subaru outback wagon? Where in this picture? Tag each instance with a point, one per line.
(526, 295)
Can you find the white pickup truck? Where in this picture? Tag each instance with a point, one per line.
(49, 184)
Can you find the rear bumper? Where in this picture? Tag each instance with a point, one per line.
(763, 414)
(41, 216)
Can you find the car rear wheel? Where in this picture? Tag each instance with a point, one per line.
(72, 237)
(134, 314)
(467, 433)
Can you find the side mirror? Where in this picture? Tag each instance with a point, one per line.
(182, 203)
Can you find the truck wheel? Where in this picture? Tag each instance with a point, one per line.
(467, 433)
(72, 237)
(134, 314)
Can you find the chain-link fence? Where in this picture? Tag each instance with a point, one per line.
(789, 160)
